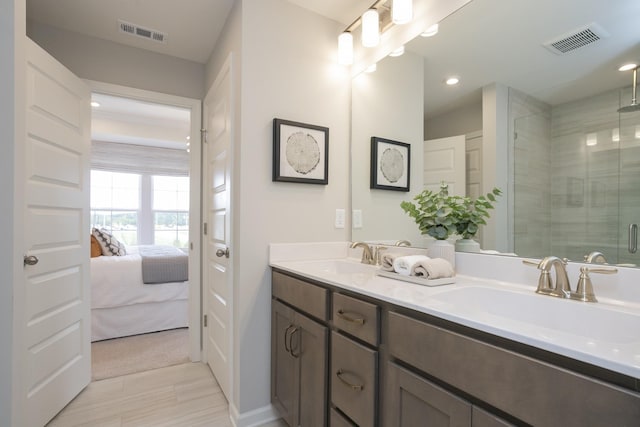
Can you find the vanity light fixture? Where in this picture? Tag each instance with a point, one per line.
(451, 81)
(380, 16)
(370, 28)
(398, 52)
(402, 11)
(431, 31)
(345, 48)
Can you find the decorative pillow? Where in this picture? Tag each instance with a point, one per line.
(96, 250)
(110, 245)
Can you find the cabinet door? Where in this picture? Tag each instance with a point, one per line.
(309, 344)
(482, 418)
(284, 365)
(411, 400)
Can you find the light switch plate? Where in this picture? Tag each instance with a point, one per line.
(357, 218)
(340, 218)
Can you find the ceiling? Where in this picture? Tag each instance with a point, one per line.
(484, 42)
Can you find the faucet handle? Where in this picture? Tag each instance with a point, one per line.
(545, 284)
(377, 255)
(584, 291)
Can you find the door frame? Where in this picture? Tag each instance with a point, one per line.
(195, 172)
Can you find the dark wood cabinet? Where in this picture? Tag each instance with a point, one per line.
(299, 367)
(346, 359)
(411, 400)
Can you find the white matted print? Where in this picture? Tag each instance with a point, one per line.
(390, 164)
(300, 152)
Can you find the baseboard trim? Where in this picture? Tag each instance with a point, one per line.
(254, 418)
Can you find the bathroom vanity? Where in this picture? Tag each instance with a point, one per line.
(351, 348)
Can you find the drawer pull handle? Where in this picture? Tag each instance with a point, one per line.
(356, 387)
(287, 338)
(291, 349)
(359, 320)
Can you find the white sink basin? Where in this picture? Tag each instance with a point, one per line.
(598, 323)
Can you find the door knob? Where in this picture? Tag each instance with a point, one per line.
(223, 253)
(30, 260)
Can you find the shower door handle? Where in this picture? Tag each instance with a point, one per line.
(633, 238)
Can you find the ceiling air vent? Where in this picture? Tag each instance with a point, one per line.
(576, 39)
(145, 33)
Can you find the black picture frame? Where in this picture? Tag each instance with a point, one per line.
(300, 152)
(390, 164)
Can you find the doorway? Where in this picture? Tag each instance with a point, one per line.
(157, 148)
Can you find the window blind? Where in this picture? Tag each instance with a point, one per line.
(141, 159)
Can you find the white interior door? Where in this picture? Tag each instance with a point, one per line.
(444, 160)
(217, 239)
(55, 320)
(474, 164)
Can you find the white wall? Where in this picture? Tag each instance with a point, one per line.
(105, 61)
(461, 121)
(391, 107)
(289, 71)
(12, 128)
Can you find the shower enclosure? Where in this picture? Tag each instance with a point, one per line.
(576, 177)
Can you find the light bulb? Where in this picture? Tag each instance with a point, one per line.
(345, 48)
(402, 11)
(370, 28)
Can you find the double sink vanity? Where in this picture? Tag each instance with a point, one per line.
(352, 348)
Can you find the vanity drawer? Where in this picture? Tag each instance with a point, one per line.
(533, 391)
(304, 296)
(358, 318)
(354, 372)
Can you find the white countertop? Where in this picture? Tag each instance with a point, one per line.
(605, 334)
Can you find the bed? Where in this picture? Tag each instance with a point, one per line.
(122, 304)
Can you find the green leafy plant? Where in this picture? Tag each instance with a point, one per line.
(440, 215)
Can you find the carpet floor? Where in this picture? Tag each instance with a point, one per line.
(122, 356)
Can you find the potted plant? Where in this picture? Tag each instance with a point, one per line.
(440, 215)
(469, 216)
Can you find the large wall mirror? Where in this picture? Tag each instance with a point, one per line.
(535, 114)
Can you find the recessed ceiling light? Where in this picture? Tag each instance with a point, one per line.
(627, 67)
(452, 81)
(188, 137)
(95, 104)
(431, 31)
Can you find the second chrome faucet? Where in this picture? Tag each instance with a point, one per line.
(561, 287)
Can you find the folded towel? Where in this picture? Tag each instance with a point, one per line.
(433, 268)
(403, 265)
(386, 260)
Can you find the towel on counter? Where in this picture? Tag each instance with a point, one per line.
(433, 268)
(386, 260)
(404, 265)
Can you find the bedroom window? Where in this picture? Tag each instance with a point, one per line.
(115, 204)
(171, 210)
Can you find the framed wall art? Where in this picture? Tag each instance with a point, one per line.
(390, 164)
(300, 152)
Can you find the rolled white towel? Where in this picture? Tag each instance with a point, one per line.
(386, 260)
(434, 268)
(403, 265)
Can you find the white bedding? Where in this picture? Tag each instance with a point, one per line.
(117, 281)
(122, 305)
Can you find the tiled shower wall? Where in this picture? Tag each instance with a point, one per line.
(577, 169)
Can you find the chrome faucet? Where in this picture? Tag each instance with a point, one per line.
(595, 257)
(561, 288)
(367, 255)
